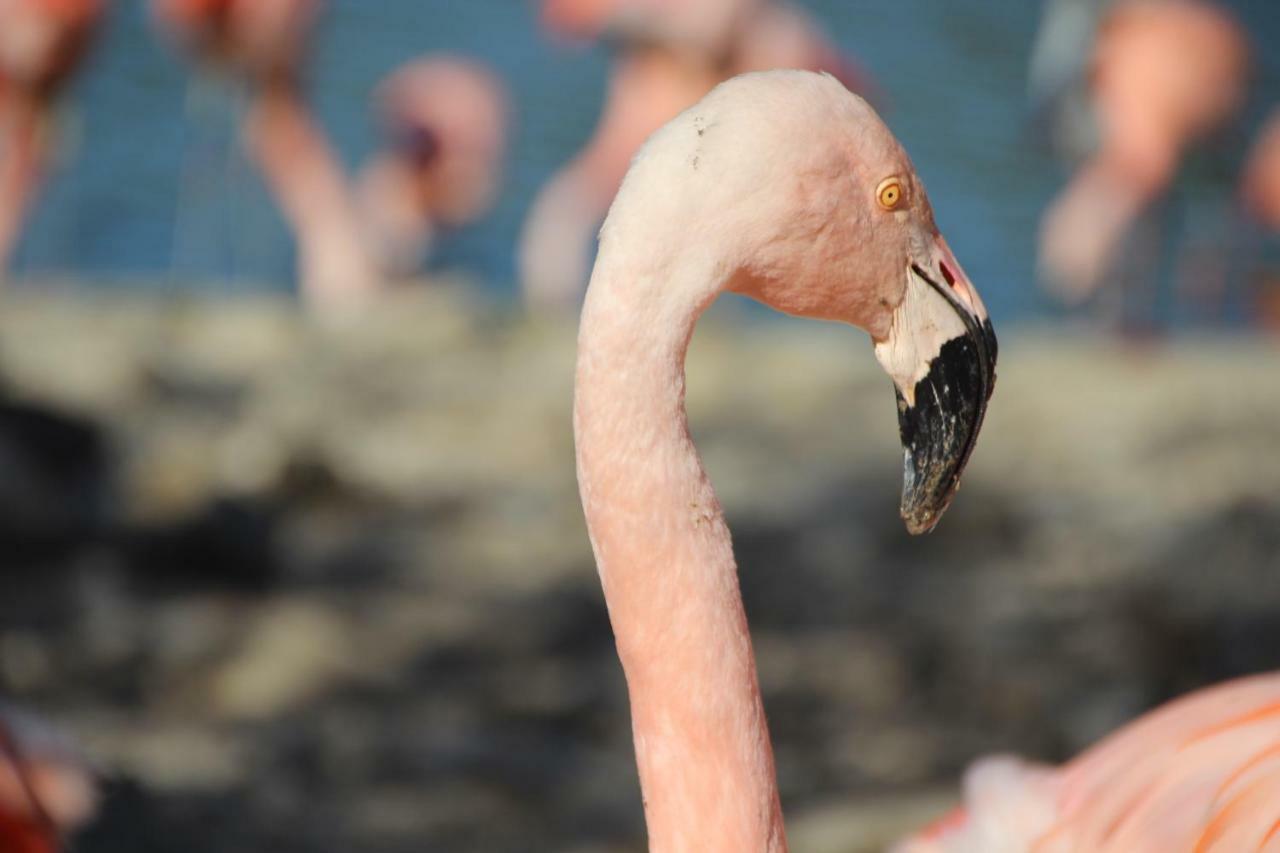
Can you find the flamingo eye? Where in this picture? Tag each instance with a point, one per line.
(889, 193)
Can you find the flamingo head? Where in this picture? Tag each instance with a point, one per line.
(803, 199)
(44, 41)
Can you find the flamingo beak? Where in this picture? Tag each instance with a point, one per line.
(941, 354)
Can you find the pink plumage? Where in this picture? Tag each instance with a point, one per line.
(785, 187)
(42, 43)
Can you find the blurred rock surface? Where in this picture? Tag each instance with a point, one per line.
(326, 587)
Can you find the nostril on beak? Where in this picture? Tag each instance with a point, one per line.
(947, 274)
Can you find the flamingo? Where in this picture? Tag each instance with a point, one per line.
(1260, 192)
(42, 42)
(445, 123)
(785, 187)
(701, 29)
(669, 55)
(1166, 73)
(45, 790)
(265, 40)
(1260, 185)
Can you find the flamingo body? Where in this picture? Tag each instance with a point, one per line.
(784, 187)
(42, 42)
(1166, 73)
(444, 122)
(1260, 194)
(264, 40)
(1200, 774)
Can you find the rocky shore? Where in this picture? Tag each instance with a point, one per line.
(325, 586)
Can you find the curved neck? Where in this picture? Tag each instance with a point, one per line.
(669, 577)
(399, 228)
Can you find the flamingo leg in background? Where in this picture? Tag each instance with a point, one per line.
(785, 187)
(45, 789)
(264, 40)
(444, 122)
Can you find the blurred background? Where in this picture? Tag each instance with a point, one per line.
(290, 571)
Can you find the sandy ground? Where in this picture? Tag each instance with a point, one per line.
(326, 587)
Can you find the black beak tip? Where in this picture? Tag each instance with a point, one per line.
(940, 429)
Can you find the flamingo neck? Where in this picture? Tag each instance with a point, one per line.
(670, 581)
(398, 223)
(23, 151)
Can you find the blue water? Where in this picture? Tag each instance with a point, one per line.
(153, 189)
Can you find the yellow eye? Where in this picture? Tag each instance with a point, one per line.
(889, 193)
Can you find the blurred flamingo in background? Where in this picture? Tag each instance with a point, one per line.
(701, 29)
(1260, 192)
(265, 41)
(444, 126)
(668, 55)
(787, 188)
(1058, 71)
(1200, 774)
(1165, 74)
(41, 43)
(45, 790)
